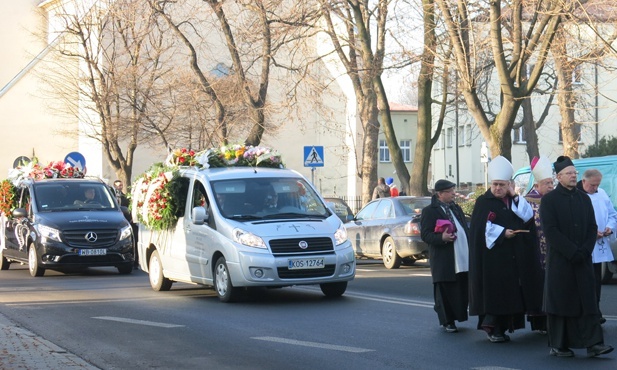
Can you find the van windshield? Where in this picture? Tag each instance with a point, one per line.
(268, 198)
(53, 197)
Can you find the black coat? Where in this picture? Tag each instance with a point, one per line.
(569, 223)
(507, 279)
(441, 254)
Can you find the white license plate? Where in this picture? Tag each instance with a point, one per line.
(306, 263)
(92, 252)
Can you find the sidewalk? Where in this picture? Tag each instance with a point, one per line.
(22, 349)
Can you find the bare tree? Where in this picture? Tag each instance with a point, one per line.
(515, 39)
(350, 25)
(585, 38)
(110, 56)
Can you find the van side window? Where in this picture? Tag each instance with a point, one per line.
(200, 198)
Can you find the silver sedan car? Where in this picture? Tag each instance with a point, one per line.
(389, 228)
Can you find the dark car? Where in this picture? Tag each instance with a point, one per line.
(340, 207)
(389, 228)
(67, 225)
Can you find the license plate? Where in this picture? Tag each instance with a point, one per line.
(92, 252)
(306, 263)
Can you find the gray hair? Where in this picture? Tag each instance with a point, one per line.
(591, 173)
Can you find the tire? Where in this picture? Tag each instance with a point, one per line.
(33, 262)
(388, 252)
(4, 263)
(125, 269)
(333, 290)
(606, 276)
(158, 281)
(222, 282)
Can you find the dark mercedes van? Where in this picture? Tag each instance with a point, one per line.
(66, 225)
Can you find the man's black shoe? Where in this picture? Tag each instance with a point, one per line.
(451, 328)
(598, 349)
(498, 338)
(602, 320)
(561, 352)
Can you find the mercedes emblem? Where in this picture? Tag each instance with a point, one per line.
(91, 236)
(303, 244)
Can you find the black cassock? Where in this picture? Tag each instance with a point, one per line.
(506, 280)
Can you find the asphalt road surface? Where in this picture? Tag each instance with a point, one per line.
(385, 320)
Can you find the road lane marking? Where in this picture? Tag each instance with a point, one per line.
(377, 298)
(314, 344)
(138, 322)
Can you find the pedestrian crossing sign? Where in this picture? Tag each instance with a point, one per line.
(313, 156)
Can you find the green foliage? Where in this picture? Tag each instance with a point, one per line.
(468, 204)
(606, 146)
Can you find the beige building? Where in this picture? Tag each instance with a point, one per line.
(33, 126)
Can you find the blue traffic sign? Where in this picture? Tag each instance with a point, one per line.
(76, 159)
(313, 156)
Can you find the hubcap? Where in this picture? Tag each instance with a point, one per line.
(221, 280)
(31, 258)
(155, 270)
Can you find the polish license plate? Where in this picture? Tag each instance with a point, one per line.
(92, 252)
(306, 263)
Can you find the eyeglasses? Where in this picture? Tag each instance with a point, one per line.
(569, 173)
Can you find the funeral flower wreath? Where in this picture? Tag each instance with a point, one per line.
(159, 195)
(9, 199)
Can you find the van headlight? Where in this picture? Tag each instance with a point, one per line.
(49, 232)
(125, 232)
(248, 239)
(340, 236)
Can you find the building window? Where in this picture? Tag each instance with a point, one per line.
(449, 134)
(468, 134)
(518, 135)
(406, 150)
(461, 135)
(384, 152)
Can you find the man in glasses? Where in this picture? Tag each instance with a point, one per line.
(570, 300)
(606, 219)
(504, 269)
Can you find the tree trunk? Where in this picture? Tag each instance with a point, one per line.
(422, 152)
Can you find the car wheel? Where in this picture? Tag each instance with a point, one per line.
(606, 274)
(222, 282)
(158, 281)
(33, 262)
(4, 263)
(125, 269)
(388, 252)
(333, 290)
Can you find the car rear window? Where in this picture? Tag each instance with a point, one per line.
(414, 206)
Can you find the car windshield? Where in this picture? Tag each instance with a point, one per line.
(268, 198)
(53, 197)
(413, 206)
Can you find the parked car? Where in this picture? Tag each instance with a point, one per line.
(340, 207)
(389, 228)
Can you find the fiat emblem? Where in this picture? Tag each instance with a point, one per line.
(303, 244)
(91, 237)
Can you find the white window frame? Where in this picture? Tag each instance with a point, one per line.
(384, 152)
(406, 150)
(468, 134)
(449, 135)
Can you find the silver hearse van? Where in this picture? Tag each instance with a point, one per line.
(244, 227)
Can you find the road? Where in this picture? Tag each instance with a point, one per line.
(384, 321)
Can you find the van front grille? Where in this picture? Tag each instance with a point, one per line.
(294, 246)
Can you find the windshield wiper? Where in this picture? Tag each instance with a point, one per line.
(293, 215)
(244, 217)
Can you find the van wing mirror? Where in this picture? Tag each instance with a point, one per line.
(20, 212)
(199, 215)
